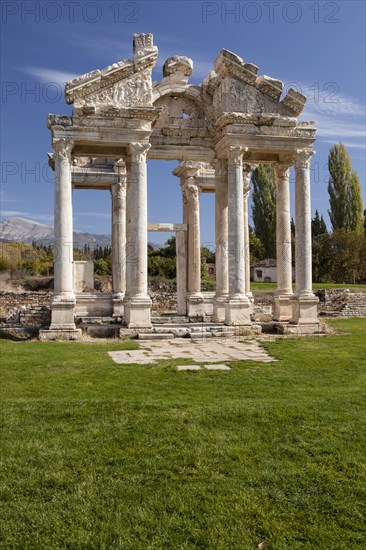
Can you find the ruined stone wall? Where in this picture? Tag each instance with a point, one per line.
(163, 301)
(341, 303)
(34, 308)
(26, 308)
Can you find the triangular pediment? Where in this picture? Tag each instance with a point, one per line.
(124, 84)
(242, 90)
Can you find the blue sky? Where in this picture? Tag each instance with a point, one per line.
(317, 46)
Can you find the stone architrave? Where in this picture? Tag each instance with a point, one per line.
(63, 301)
(305, 302)
(237, 308)
(137, 303)
(284, 294)
(119, 112)
(118, 192)
(221, 236)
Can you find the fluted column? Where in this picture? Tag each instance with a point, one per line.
(194, 239)
(221, 237)
(247, 173)
(283, 304)
(303, 224)
(137, 304)
(305, 310)
(181, 238)
(237, 309)
(63, 302)
(118, 192)
(63, 268)
(188, 171)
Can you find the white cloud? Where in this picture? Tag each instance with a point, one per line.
(338, 116)
(3, 198)
(336, 127)
(22, 214)
(348, 144)
(49, 75)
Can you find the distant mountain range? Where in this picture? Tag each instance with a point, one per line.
(29, 231)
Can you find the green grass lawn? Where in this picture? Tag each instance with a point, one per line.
(103, 456)
(316, 286)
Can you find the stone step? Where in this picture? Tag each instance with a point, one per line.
(200, 335)
(96, 320)
(162, 320)
(155, 336)
(102, 331)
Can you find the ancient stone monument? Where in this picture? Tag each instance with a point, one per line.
(217, 131)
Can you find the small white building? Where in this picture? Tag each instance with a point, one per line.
(265, 271)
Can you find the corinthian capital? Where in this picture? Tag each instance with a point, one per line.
(235, 154)
(118, 190)
(247, 173)
(282, 170)
(303, 157)
(63, 148)
(191, 191)
(139, 151)
(187, 169)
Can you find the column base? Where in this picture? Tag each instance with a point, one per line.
(117, 304)
(195, 306)
(305, 310)
(219, 309)
(62, 312)
(137, 312)
(51, 335)
(283, 306)
(237, 311)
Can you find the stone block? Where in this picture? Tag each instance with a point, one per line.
(237, 312)
(138, 313)
(155, 336)
(282, 310)
(305, 310)
(83, 276)
(217, 367)
(54, 335)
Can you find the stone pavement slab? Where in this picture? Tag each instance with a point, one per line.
(210, 351)
(188, 367)
(217, 367)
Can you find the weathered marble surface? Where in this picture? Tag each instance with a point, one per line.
(218, 131)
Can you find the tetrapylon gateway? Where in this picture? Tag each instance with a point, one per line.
(218, 131)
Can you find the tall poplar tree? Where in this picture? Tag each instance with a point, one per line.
(346, 208)
(264, 208)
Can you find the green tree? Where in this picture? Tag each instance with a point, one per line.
(102, 267)
(264, 208)
(344, 191)
(344, 257)
(318, 226)
(256, 248)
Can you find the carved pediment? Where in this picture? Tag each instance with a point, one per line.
(124, 84)
(241, 90)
